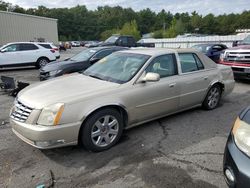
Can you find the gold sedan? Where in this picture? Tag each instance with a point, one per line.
(123, 90)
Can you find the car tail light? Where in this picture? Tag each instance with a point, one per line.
(56, 49)
(52, 50)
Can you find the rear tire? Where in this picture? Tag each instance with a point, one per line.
(102, 130)
(213, 97)
(41, 62)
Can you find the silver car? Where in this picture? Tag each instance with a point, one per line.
(123, 90)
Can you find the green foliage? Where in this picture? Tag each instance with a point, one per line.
(131, 28)
(79, 23)
(106, 34)
(4, 5)
(158, 34)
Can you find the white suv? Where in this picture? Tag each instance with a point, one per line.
(24, 54)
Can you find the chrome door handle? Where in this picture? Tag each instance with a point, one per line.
(172, 85)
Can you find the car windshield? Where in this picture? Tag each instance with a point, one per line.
(84, 55)
(117, 67)
(246, 40)
(111, 39)
(202, 48)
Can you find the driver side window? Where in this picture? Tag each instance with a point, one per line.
(103, 54)
(164, 65)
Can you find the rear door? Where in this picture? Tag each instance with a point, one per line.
(10, 55)
(195, 80)
(30, 52)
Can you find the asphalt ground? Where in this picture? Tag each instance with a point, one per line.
(182, 150)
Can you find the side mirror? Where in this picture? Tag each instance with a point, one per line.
(94, 60)
(235, 43)
(2, 51)
(151, 77)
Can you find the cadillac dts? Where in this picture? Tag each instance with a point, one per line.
(122, 90)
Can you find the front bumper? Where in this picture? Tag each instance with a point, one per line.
(46, 76)
(238, 163)
(43, 77)
(241, 74)
(46, 137)
(240, 70)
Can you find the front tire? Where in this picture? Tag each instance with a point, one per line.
(213, 97)
(102, 130)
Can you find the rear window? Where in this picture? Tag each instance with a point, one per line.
(46, 46)
(27, 47)
(190, 62)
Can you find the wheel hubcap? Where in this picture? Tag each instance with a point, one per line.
(213, 97)
(43, 62)
(104, 131)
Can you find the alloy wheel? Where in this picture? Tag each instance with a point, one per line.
(213, 97)
(104, 131)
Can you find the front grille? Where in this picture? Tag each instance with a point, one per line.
(243, 57)
(238, 69)
(20, 112)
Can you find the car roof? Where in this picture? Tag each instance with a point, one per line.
(43, 42)
(29, 43)
(209, 44)
(158, 51)
(107, 47)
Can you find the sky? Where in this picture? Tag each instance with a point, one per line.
(203, 7)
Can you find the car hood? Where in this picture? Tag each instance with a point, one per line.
(66, 89)
(243, 47)
(57, 65)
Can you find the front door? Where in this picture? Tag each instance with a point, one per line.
(10, 55)
(154, 99)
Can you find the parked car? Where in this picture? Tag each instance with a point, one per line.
(239, 59)
(92, 44)
(119, 40)
(142, 43)
(123, 40)
(25, 54)
(67, 45)
(50, 46)
(213, 51)
(77, 63)
(62, 46)
(236, 165)
(122, 90)
(75, 44)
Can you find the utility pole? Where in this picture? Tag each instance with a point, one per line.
(164, 27)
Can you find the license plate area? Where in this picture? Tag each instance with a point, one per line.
(247, 70)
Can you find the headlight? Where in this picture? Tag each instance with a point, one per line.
(52, 73)
(51, 115)
(241, 132)
(222, 56)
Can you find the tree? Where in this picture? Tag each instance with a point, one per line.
(79, 23)
(146, 20)
(106, 34)
(4, 6)
(131, 28)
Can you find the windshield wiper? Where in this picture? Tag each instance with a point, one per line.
(93, 76)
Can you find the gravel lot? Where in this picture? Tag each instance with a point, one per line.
(183, 150)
